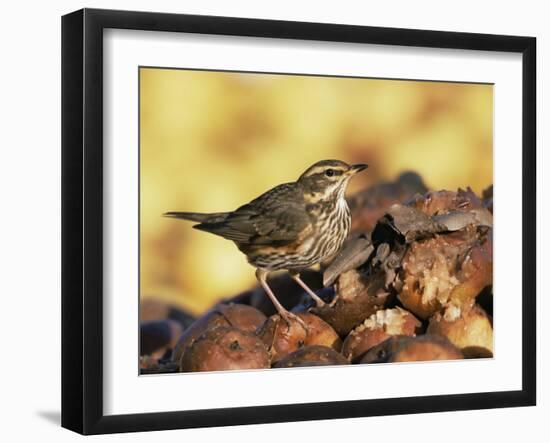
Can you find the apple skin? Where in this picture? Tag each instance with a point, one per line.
(282, 338)
(225, 348)
(314, 355)
(241, 316)
(377, 328)
(469, 329)
(408, 349)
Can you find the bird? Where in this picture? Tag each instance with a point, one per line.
(291, 227)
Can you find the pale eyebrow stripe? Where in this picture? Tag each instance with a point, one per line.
(316, 170)
(322, 169)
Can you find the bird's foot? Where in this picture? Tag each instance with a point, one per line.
(289, 317)
(318, 301)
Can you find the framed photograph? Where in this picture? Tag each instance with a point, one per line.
(269, 221)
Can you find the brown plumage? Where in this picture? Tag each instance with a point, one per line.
(292, 226)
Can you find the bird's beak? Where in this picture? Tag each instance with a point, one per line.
(354, 169)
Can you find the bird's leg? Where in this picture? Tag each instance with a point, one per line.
(261, 275)
(318, 300)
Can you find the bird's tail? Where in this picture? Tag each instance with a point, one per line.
(198, 216)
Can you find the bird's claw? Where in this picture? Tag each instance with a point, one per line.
(320, 303)
(288, 317)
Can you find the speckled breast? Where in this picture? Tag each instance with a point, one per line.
(324, 239)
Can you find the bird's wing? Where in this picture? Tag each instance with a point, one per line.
(276, 217)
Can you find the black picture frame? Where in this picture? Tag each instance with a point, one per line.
(82, 218)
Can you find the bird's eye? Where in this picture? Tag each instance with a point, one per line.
(329, 172)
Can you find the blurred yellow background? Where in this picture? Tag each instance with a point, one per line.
(212, 141)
